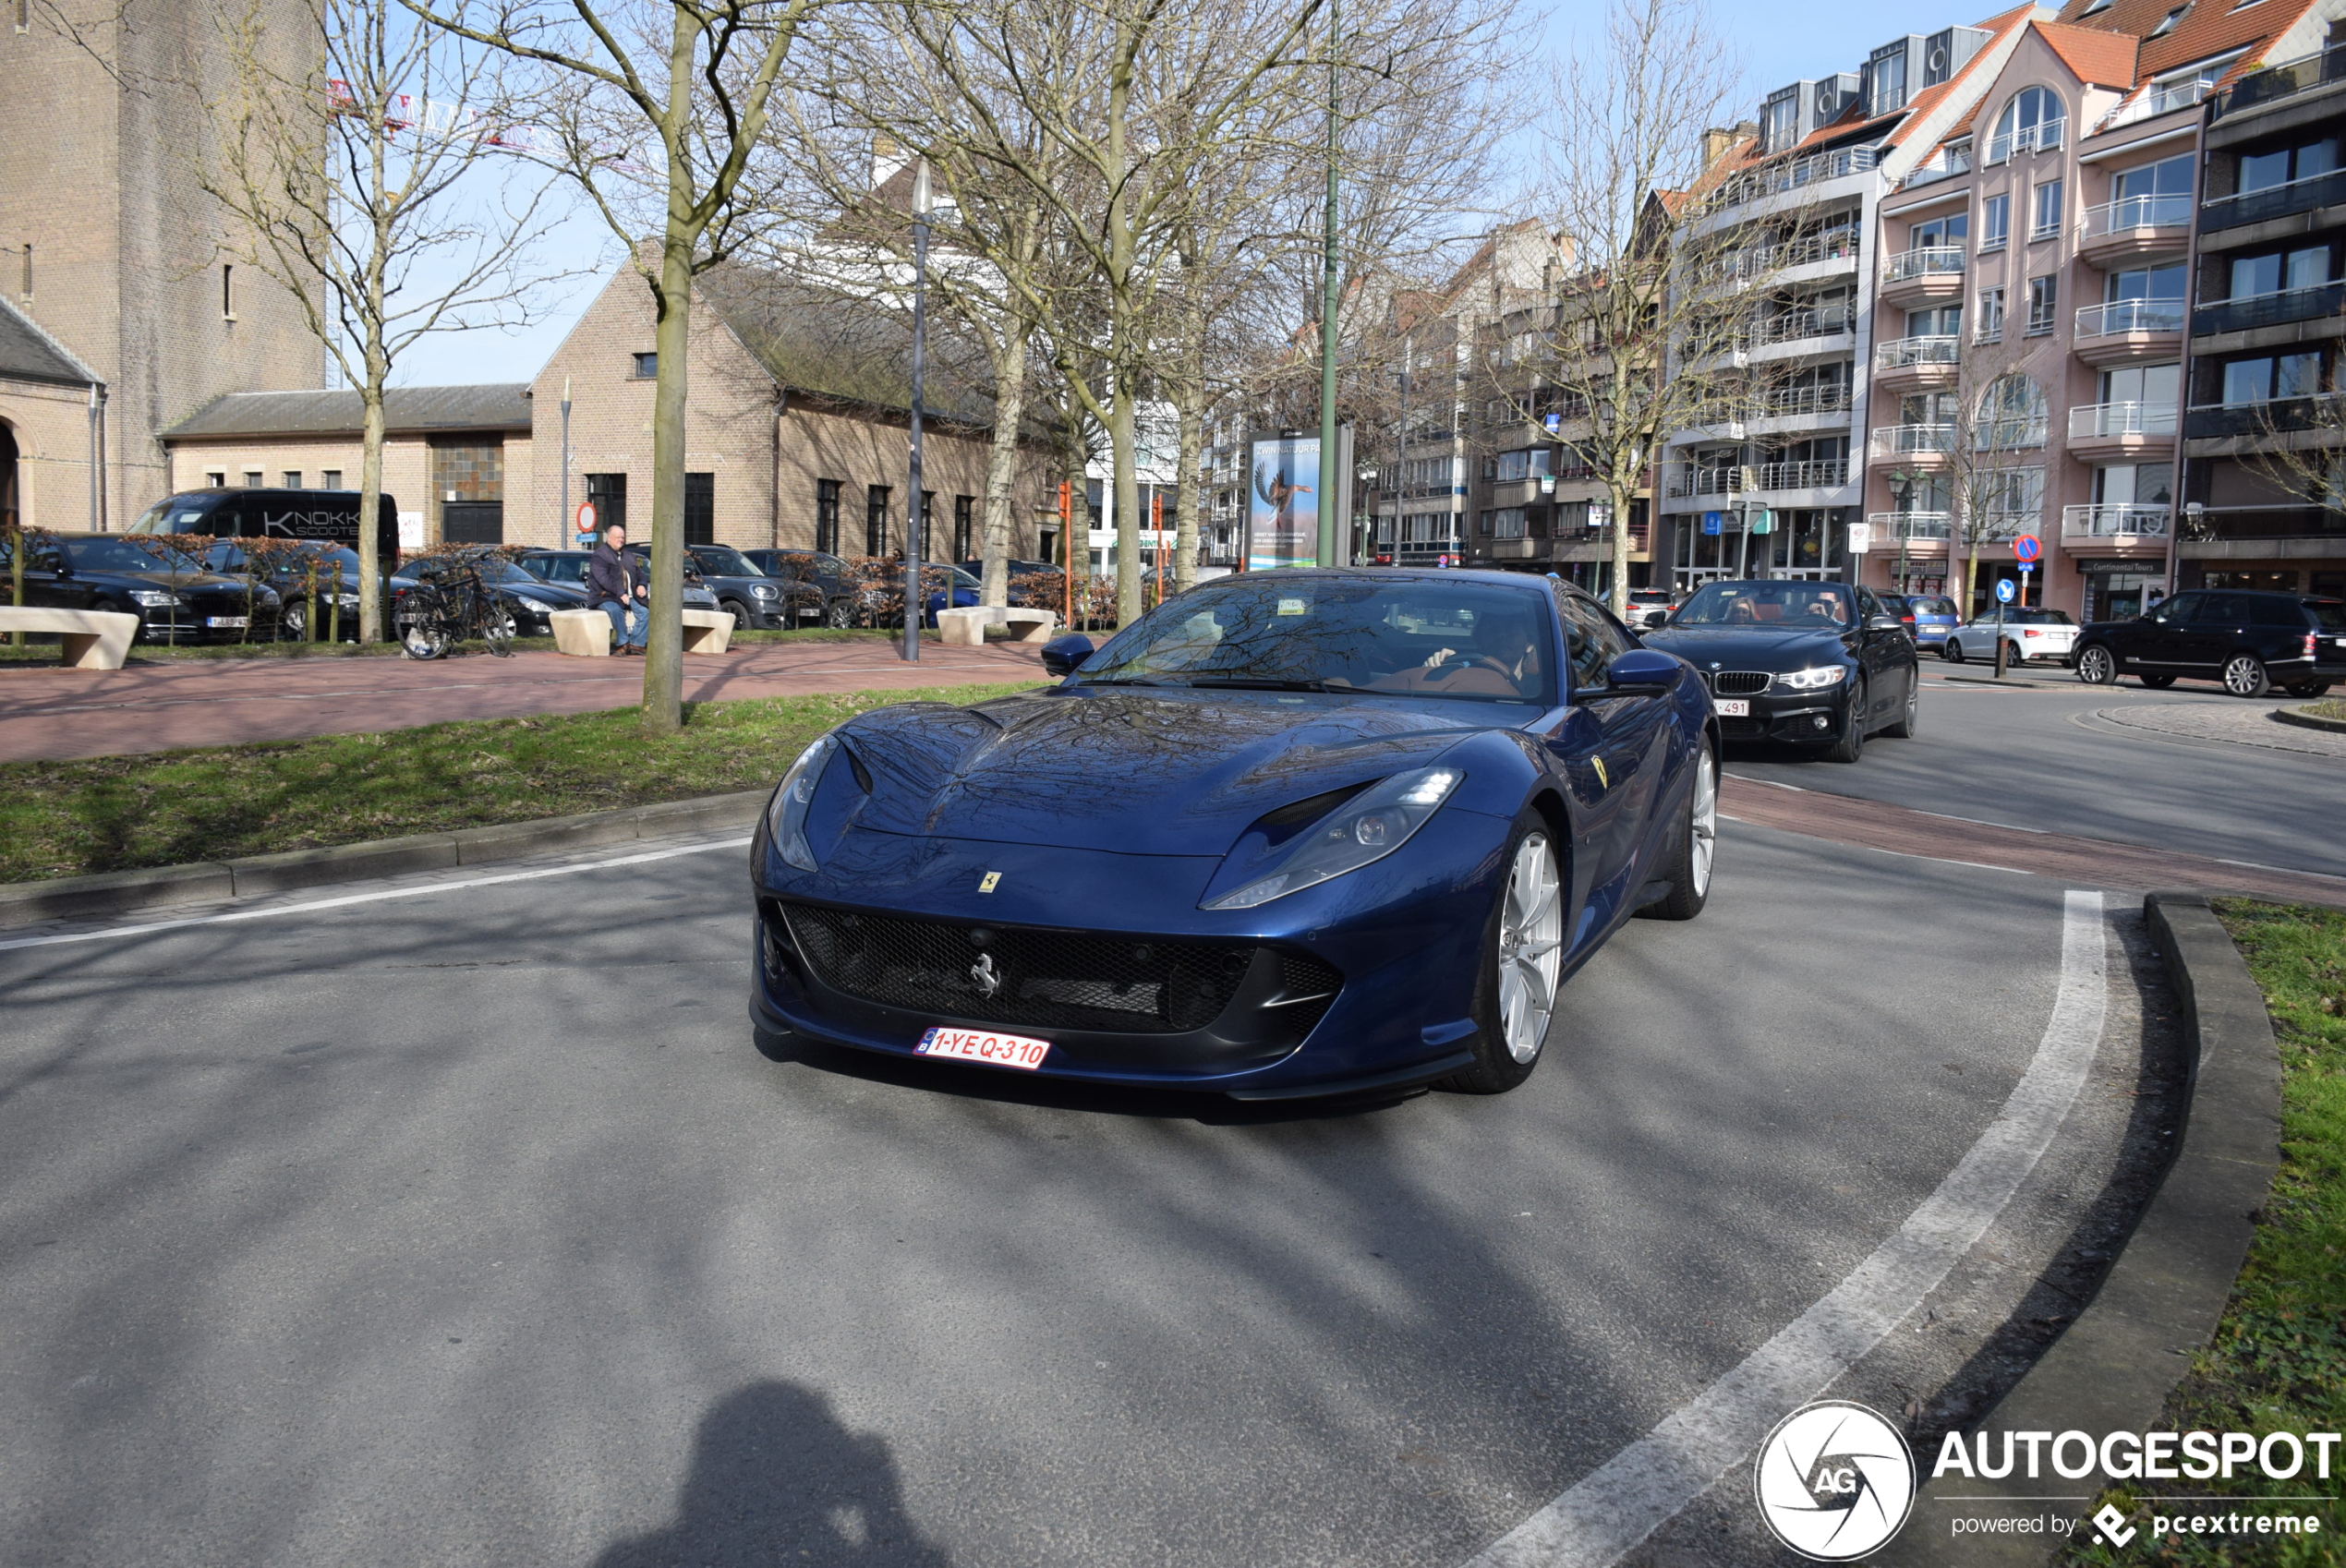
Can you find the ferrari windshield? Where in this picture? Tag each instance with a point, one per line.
(1788, 605)
(1282, 632)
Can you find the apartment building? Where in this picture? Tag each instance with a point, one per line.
(2264, 425)
(1773, 483)
(2030, 302)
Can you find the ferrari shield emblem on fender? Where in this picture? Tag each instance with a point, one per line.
(1603, 779)
(986, 883)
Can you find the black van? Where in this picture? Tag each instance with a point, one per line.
(278, 514)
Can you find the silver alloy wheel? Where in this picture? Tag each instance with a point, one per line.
(2244, 676)
(2095, 666)
(1531, 947)
(1703, 821)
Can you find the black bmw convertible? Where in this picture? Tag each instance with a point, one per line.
(1817, 664)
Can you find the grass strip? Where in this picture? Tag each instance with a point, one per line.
(2332, 708)
(2278, 1362)
(217, 803)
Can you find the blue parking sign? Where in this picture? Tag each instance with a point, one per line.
(1712, 522)
(2003, 589)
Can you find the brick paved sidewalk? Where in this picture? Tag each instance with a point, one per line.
(54, 714)
(2242, 725)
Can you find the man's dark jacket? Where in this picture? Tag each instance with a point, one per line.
(611, 575)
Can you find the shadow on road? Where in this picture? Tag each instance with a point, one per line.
(776, 1479)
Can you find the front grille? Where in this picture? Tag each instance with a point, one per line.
(1742, 729)
(1045, 979)
(1739, 682)
(1312, 983)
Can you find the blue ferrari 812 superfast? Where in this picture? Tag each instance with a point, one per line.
(1294, 833)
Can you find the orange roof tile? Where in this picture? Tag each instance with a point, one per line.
(2208, 29)
(2102, 58)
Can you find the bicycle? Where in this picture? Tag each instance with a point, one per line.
(434, 615)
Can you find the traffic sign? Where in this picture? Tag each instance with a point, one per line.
(1763, 521)
(2027, 546)
(586, 523)
(2026, 567)
(1712, 522)
(2003, 590)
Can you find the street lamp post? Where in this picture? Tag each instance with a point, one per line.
(562, 528)
(1325, 547)
(913, 519)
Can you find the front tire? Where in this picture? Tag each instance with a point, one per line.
(738, 611)
(1952, 652)
(1521, 965)
(1688, 867)
(1851, 743)
(2096, 667)
(1909, 718)
(2244, 676)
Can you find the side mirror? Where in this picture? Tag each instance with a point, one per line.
(1884, 624)
(1064, 655)
(1643, 669)
(1657, 618)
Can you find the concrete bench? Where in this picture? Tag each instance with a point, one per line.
(586, 634)
(94, 639)
(966, 627)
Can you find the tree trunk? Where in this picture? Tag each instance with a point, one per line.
(1123, 338)
(1076, 550)
(1189, 522)
(1002, 463)
(1618, 594)
(664, 649)
(371, 489)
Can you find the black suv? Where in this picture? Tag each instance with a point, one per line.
(2250, 641)
(825, 574)
(176, 597)
(753, 598)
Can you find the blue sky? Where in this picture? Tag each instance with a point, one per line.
(1779, 42)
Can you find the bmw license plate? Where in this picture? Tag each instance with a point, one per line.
(984, 1045)
(228, 621)
(1734, 708)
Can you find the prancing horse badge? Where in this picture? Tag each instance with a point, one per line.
(985, 884)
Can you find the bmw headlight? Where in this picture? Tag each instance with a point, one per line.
(786, 816)
(155, 598)
(1814, 679)
(1366, 828)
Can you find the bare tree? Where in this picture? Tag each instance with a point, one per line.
(378, 192)
(657, 109)
(1985, 425)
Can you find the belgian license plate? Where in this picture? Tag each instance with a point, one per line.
(228, 620)
(984, 1045)
(1735, 707)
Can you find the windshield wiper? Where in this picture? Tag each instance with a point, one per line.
(1123, 681)
(1244, 684)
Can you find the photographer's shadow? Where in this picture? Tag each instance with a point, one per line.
(777, 1480)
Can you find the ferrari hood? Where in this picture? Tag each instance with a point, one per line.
(1171, 772)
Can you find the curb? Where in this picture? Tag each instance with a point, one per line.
(2114, 1368)
(119, 892)
(2299, 717)
(2011, 682)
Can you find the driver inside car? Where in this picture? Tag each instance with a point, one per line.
(1505, 659)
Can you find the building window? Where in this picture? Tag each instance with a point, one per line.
(1995, 223)
(2271, 376)
(2280, 271)
(827, 515)
(1506, 523)
(874, 519)
(2045, 223)
(2261, 171)
(2172, 19)
(647, 366)
(964, 524)
(330, 479)
(253, 479)
(2033, 122)
(608, 493)
(2044, 298)
(700, 509)
(1989, 327)
(227, 292)
(215, 478)
(2012, 415)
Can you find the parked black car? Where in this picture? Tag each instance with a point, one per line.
(2250, 641)
(826, 573)
(528, 599)
(330, 515)
(756, 597)
(288, 574)
(176, 597)
(1814, 663)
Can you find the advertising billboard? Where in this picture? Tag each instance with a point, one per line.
(1282, 501)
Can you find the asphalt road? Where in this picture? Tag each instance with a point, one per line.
(468, 1228)
(2039, 759)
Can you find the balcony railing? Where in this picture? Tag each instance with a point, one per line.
(2274, 201)
(2270, 309)
(1907, 440)
(1927, 260)
(1793, 325)
(2162, 98)
(1912, 524)
(2129, 316)
(2170, 211)
(2130, 520)
(2041, 138)
(1792, 175)
(2107, 420)
(1786, 401)
(1941, 165)
(2276, 416)
(2281, 81)
(1754, 261)
(1708, 482)
(1896, 352)
(1816, 475)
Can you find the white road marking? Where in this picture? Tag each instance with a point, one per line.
(376, 896)
(1625, 1500)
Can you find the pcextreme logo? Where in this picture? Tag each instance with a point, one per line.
(1834, 1480)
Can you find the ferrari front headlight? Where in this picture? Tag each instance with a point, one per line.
(1814, 679)
(786, 813)
(1364, 829)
